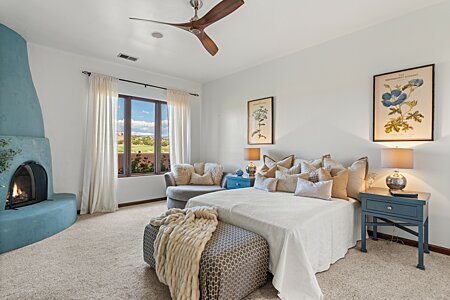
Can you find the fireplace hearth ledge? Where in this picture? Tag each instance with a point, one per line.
(29, 224)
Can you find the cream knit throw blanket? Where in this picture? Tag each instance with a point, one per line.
(178, 247)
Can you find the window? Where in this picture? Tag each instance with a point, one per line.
(143, 136)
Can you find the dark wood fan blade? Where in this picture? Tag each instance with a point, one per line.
(185, 26)
(208, 43)
(218, 12)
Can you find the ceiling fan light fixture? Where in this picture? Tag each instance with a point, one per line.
(195, 31)
(157, 35)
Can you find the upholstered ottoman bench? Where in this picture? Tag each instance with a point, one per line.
(234, 263)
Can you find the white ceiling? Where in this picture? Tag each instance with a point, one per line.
(259, 31)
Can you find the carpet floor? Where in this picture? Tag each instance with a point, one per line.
(100, 257)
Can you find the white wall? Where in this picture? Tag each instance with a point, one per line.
(62, 90)
(323, 104)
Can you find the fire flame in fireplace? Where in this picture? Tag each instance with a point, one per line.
(16, 191)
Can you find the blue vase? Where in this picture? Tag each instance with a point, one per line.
(239, 172)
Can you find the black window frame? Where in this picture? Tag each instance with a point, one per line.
(127, 136)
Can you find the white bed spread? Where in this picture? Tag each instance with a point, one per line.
(305, 235)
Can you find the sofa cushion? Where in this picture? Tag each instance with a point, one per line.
(216, 171)
(186, 192)
(182, 173)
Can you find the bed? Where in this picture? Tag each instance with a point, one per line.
(305, 235)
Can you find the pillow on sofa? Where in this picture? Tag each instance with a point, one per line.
(270, 162)
(357, 174)
(287, 182)
(182, 173)
(216, 171)
(265, 184)
(199, 168)
(321, 190)
(205, 179)
(340, 182)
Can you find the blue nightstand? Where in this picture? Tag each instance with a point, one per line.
(239, 182)
(382, 206)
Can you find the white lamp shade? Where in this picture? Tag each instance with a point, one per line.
(397, 158)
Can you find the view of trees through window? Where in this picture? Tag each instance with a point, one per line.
(143, 136)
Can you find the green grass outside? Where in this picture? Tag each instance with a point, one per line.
(142, 148)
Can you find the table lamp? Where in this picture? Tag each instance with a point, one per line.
(251, 154)
(399, 159)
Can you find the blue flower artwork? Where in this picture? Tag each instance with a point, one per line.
(401, 106)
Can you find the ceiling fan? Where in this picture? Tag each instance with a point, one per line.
(197, 25)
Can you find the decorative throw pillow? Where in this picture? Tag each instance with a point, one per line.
(182, 173)
(332, 164)
(357, 176)
(340, 182)
(270, 162)
(311, 170)
(321, 190)
(317, 163)
(216, 171)
(288, 183)
(294, 170)
(205, 179)
(199, 168)
(269, 173)
(265, 184)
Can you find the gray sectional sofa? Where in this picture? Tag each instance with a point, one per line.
(179, 195)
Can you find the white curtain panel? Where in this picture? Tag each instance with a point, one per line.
(179, 127)
(100, 167)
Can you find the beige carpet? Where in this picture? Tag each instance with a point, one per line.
(100, 257)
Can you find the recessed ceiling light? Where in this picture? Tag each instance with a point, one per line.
(157, 35)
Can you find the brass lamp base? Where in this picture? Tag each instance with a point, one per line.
(396, 181)
(251, 169)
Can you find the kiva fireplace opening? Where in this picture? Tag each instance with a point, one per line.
(27, 186)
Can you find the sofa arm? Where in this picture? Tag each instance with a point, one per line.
(223, 183)
(170, 180)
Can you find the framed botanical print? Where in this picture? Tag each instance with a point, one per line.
(403, 105)
(260, 121)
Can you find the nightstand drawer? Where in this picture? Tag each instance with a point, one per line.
(394, 209)
(238, 184)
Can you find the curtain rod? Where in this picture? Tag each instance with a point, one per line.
(140, 83)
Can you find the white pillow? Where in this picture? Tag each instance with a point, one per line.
(317, 163)
(216, 171)
(197, 179)
(313, 172)
(294, 170)
(321, 190)
(265, 184)
(288, 183)
(182, 173)
(357, 176)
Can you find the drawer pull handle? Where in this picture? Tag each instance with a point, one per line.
(389, 208)
(237, 184)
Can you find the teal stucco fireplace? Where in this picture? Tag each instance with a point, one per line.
(29, 209)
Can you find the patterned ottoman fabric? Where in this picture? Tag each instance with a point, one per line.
(234, 263)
